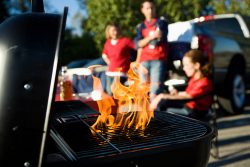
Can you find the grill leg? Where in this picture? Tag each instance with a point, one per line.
(214, 143)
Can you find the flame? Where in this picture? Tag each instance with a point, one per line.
(104, 103)
(132, 103)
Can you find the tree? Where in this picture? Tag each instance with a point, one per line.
(19, 6)
(103, 12)
(127, 13)
(231, 6)
(181, 10)
(78, 47)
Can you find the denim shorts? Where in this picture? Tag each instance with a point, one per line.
(109, 81)
(156, 75)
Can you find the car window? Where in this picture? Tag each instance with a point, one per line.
(226, 25)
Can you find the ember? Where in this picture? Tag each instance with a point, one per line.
(132, 103)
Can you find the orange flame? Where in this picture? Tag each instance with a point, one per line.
(132, 103)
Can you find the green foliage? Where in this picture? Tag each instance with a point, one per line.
(180, 10)
(127, 13)
(102, 12)
(76, 48)
(20, 6)
(231, 6)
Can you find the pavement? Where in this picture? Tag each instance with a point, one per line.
(233, 141)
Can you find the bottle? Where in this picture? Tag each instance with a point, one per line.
(66, 90)
(154, 42)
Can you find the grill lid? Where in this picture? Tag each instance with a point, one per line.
(29, 50)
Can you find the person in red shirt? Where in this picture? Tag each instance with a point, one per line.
(151, 42)
(198, 93)
(116, 53)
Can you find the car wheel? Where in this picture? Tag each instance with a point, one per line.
(235, 101)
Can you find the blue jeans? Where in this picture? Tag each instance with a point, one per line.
(109, 81)
(181, 111)
(200, 115)
(156, 75)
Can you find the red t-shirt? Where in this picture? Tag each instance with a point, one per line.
(202, 90)
(159, 51)
(119, 54)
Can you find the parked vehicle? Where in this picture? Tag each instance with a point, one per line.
(225, 39)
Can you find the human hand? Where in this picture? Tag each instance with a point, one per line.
(156, 34)
(173, 91)
(154, 103)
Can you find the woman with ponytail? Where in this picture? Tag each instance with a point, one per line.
(198, 93)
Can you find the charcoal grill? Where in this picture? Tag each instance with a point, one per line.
(36, 131)
(166, 140)
(29, 50)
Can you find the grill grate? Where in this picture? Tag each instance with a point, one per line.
(164, 129)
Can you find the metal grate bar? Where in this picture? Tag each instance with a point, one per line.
(166, 129)
(98, 134)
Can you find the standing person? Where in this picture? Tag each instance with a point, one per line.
(151, 41)
(199, 89)
(116, 53)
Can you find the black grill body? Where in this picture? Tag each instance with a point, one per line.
(36, 131)
(169, 139)
(29, 50)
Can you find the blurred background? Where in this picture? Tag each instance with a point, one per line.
(87, 19)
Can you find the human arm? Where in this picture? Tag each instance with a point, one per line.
(195, 89)
(164, 96)
(145, 41)
(163, 26)
(141, 41)
(105, 58)
(160, 34)
(105, 53)
(138, 55)
(178, 96)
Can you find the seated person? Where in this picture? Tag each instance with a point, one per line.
(198, 94)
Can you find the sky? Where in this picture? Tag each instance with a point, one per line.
(57, 6)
